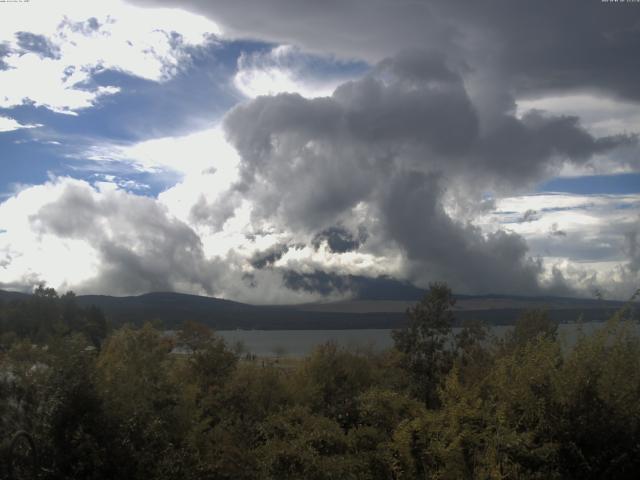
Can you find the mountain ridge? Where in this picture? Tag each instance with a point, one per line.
(173, 308)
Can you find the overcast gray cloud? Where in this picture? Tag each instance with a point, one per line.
(535, 146)
(439, 247)
(369, 29)
(542, 45)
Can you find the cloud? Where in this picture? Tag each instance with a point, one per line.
(513, 58)
(524, 44)
(439, 247)
(538, 145)
(9, 124)
(632, 250)
(65, 45)
(357, 28)
(337, 149)
(341, 240)
(529, 215)
(412, 107)
(196, 153)
(364, 288)
(4, 51)
(38, 44)
(414, 167)
(363, 183)
(395, 152)
(556, 231)
(269, 257)
(599, 115)
(587, 239)
(106, 241)
(285, 69)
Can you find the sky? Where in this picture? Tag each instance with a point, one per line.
(281, 151)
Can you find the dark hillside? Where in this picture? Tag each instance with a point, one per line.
(172, 309)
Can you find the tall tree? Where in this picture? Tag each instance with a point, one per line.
(426, 341)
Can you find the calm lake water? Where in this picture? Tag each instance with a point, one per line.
(299, 343)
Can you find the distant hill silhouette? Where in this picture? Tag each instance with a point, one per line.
(171, 309)
(7, 296)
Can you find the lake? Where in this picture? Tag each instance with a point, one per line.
(298, 343)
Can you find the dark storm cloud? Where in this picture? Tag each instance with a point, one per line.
(141, 249)
(544, 45)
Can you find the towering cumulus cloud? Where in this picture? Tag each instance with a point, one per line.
(385, 149)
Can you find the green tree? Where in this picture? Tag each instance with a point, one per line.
(330, 381)
(75, 437)
(298, 444)
(134, 381)
(531, 325)
(427, 342)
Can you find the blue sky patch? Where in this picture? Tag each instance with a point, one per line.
(621, 184)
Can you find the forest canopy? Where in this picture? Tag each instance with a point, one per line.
(443, 403)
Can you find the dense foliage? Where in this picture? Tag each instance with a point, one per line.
(439, 405)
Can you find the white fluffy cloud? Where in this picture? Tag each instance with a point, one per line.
(72, 235)
(54, 49)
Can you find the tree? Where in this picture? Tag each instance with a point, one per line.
(330, 381)
(134, 382)
(299, 444)
(531, 325)
(427, 340)
(76, 439)
(195, 335)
